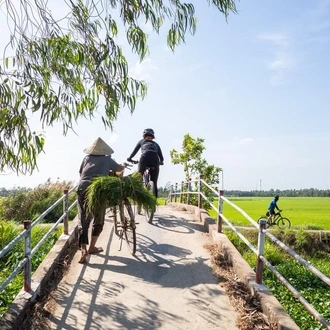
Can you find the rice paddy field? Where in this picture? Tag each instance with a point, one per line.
(303, 212)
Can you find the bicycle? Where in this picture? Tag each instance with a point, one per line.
(149, 185)
(278, 220)
(125, 225)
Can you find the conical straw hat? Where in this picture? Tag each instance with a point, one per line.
(98, 148)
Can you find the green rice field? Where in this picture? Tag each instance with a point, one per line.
(303, 212)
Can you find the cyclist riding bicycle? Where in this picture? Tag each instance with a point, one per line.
(272, 207)
(151, 155)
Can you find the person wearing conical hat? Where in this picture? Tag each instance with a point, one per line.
(97, 162)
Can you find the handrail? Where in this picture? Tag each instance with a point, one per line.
(296, 294)
(26, 235)
(259, 251)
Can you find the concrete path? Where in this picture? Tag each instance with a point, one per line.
(168, 284)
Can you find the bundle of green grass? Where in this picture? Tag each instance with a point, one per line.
(111, 190)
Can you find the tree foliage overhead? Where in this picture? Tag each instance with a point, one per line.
(62, 66)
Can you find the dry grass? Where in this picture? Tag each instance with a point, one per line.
(249, 311)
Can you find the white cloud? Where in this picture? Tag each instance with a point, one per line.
(113, 138)
(278, 78)
(196, 67)
(143, 70)
(246, 140)
(278, 38)
(282, 60)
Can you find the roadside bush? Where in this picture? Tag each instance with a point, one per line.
(310, 286)
(31, 204)
(8, 231)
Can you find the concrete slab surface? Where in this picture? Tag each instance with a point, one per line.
(167, 285)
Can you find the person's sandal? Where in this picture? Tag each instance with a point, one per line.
(96, 250)
(83, 257)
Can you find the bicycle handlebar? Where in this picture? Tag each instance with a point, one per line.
(126, 165)
(132, 161)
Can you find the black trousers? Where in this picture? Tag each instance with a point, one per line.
(150, 160)
(85, 218)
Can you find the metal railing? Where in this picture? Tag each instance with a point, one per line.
(177, 192)
(26, 236)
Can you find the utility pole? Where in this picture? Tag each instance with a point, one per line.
(260, 185)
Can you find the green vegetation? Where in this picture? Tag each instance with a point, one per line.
(61, 71)
(23, 204)
(111, 190)
(20, 204)
(310, 192)
(8, 231)
(304, 212)
(193, 164)
(310, 287)
(161, 201)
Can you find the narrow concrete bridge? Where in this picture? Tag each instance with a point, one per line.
(167, 285)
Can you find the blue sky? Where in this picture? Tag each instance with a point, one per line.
(256, 88)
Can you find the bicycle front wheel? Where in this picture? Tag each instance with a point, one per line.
(128, 225)
(115, 219)
(283, 223)
(150, 213)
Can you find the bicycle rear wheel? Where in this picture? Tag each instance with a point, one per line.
(283, 223)
(149, 214)
(128, 225)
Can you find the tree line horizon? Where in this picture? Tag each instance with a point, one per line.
(306, 192)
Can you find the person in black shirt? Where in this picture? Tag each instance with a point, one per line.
(151, 155)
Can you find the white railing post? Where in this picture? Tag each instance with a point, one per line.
(171, 193)
(220, 210)
(200, 198)
(181, 191)
(27, 253)
(261, 248)
(65, 211)
(176, 190)
(188, 190)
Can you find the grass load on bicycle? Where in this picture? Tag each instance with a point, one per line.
(119, 192)
(112, 190)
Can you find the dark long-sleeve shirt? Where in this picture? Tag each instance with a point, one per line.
(148, 146)
(93, 166)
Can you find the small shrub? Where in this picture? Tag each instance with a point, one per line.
(301, 239)
(29, 205)
(8, 231)
(313, 227)
(273, 254)
(15, 255)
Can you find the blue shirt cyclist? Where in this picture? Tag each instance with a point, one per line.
(273, 206)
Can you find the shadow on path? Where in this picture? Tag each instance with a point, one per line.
(161, 265)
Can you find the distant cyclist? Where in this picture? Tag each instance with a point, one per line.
(272, 207)
(151, 155)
